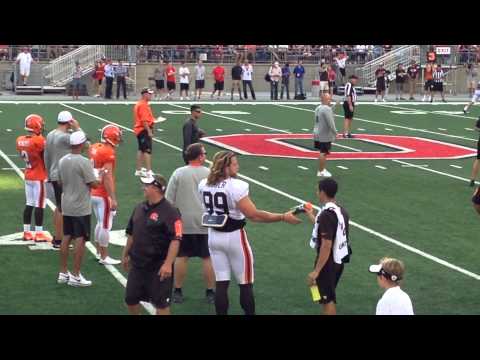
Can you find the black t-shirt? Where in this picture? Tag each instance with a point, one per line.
(323, 75)
(153, 228)
(400, 76)
(237, 72)
(327, 226)
(190, 133)
(412, 71)
(380, 74)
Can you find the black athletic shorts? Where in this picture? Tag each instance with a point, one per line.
(380, 85)
(170, 85)
(77, 226)
(342, 71)
(327, 281)
(194, 245)
(428, 85)
(324, 147)
(184, 86)
(57, 189)
(438, 86)
(346, 110)
(219, 85)
(145, 285)
(476, 197)
(144, 142)
(160, 84)
(199, 84)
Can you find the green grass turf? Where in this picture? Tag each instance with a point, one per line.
(427, 211)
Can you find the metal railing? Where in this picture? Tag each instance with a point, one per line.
(401, 55)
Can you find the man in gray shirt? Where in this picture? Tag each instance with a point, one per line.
(121, 73)
(58, 145)
(324, 133)
(77, 177)
(191, 132)
(199, 79)
(182, 192)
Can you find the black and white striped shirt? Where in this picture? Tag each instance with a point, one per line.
(438, 76)
(350, 92)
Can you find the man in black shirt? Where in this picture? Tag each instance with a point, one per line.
(191, 132)
(330, 238)
(380, 86)
(236, 79)
(412, 72)
(154, 233)
(399, 81)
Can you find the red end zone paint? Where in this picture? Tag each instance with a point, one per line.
(408, 147)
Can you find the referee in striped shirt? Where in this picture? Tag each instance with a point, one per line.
(438, 76)
(349, 105)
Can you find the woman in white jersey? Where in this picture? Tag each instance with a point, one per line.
(227, 204)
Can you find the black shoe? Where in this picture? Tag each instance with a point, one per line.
(472, 183)
(56, 244)
(210, 297)
(444, 100)
(350, 136)
(177, 297)
(464, 112)
(411, 98)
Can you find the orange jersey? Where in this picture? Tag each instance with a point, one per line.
(429, 74)
(101, 154)
(142, 112)
(31, 149)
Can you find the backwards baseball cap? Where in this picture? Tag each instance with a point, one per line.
(64, 117)
(392, 269)
(77, 138)
(155, 180)
(147, 90)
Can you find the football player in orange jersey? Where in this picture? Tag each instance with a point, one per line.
(31, 147)
(104, 201)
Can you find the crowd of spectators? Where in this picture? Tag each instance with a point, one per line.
(39, 52)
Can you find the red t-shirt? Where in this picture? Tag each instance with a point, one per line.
(170, 73)
(219, 73)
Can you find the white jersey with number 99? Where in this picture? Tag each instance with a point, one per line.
(222, 198)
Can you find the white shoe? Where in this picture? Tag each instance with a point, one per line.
(109, 261)
(79, 281)
(97, 256)
(149, 173)
(139, 173)
(424, 99)
(384, 100)
(376, 100)
(324, 173)
(63, 277)
(181, 97)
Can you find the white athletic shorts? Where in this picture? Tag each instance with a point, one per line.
(25, 70)
(102, 211)
(476, 96)
(323, 85)
(35, 193)
(231, 251)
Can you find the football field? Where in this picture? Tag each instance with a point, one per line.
(403, 179)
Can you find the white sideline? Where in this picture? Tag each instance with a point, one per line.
(111, 269)
(275, 190)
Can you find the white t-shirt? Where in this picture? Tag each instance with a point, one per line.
(25, 59)
(233, 190)
(395, 301)
(341, 62)
(247, 72)
(199, 72)
(184, 72)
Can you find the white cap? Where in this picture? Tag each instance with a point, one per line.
(77, 138)
(64, 117)
(375, 268)
(276, 63)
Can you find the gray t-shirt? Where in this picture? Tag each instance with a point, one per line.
(58, 145)
(199, 72)
(159, 73)
(324, 129)
(182, 192)
(75, 172)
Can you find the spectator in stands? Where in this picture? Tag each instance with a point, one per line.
(76, 82)
(332, 76)
(199, 79)
(236, 78)
(341, 61)
(109, 75)
(275, 73)
(170, 72)
(121, 73)
(431, 56)
(323, 73)
(159, 77)
(361, 52)
(471, 72)
(247, 72)
(387, 48)
(98, 75)
(400, 76)
(380, 85)
(218, 53)
(299, 72)
(219, 76)
(285, 80)
(428, 76)
(412, 73)
(184, 74)
(24, 59)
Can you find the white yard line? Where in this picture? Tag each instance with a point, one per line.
(381, 167)
(298, 200)
(346, 147)
(263, 168)
(111, 269)
(342, 167)
(302, 167)
(431, 112)
(456, 166)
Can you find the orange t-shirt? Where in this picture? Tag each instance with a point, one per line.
(142, 112)
(429, 74)
(31, 149)
(100, 72)
(101, 154)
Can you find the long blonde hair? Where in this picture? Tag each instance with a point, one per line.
(221, 160)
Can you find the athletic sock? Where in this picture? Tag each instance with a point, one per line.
(38, 228)
(26, 227)
(178, 290)
(209, 291)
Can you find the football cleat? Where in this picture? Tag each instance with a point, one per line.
(108, 261)
(28, 236)
(41, 236)
(111, 134)
(78, 281)
(34, 123)
(63, 277)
